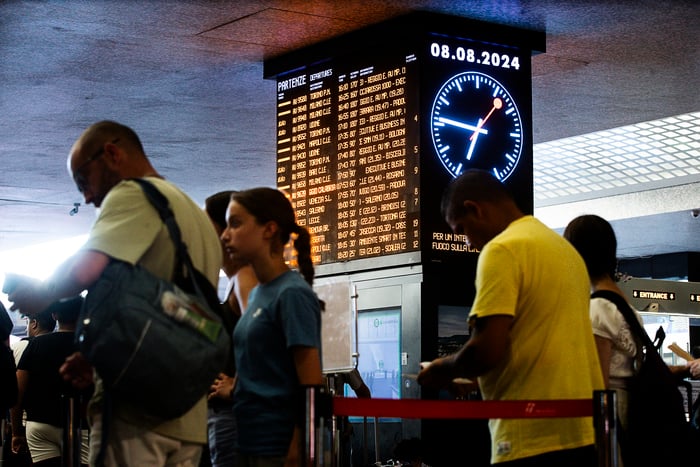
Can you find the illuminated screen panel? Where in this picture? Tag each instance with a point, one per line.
(371, 126)
(347, 155)
(379, 359)
(477, 113)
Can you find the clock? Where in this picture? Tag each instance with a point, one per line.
(475, 123)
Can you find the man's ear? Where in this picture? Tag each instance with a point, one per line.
(113, 154)
(471, 208)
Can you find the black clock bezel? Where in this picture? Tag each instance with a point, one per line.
(438, 243)
(504, 164)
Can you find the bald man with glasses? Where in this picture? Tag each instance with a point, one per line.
(128, 228)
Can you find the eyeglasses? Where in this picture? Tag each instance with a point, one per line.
(79, 179)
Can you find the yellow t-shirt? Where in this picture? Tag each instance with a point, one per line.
(128, 228)
(533, 274)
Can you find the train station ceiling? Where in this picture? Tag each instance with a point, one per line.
(616, 110)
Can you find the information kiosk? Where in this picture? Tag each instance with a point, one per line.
(371, 126)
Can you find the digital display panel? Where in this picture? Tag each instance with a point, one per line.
(477, 113)
(347, 155)
(369, 133)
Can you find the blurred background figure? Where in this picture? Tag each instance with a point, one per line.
(43, 393)
(8, 388)
(8, 377)
(43, 323)
(221, 421)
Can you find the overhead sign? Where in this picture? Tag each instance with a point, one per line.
(654, 295)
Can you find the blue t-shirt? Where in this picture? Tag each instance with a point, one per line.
(268, 400)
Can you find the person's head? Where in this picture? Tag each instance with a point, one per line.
(261, 221)
(105, 154)
(594, 239)
(476, 204)
(41, 323)
(66, 311)
(215, 207)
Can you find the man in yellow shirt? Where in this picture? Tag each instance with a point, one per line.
(531, 336)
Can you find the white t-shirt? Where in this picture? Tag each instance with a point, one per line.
(17, 349)
(609, 323)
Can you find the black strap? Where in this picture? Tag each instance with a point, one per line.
(161, 204)
(628, 314)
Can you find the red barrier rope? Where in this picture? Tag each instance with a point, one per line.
(417, 408)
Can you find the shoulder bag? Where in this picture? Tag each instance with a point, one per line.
(155, 344)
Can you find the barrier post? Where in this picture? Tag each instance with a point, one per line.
(334, 447)
(308, 435)
(317, 409)
(70, 453)
(605, 421)
(336, 444)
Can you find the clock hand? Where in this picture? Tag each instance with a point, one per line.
(497, 104)
(466, 126)
(473, 139)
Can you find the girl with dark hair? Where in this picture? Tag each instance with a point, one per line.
(277, 342)
(594, 239)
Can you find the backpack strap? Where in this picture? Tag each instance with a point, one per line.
(162, 206)
(199, 285)
(628, 314)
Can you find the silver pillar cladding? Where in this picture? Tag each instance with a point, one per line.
(349, 295)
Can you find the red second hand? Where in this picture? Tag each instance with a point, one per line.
(497, 104)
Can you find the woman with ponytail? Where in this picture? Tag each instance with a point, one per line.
(277, 342)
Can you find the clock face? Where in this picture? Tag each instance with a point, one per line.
(475, 123)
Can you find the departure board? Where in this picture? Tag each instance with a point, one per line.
(372, 126)
(347, 155)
